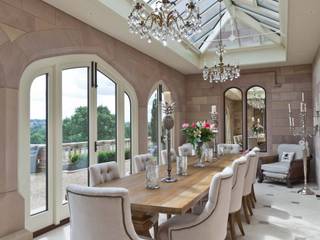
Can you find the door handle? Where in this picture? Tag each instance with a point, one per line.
(95, 146)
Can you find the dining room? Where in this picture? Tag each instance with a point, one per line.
(165, 120)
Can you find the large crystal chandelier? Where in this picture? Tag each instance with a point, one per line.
(165, 22)
(221, 72)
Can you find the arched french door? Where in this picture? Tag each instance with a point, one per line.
(72, 114)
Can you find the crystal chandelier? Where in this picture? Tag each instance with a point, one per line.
(165, 21)
(221, 72)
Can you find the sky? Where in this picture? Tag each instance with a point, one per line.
(74, 94)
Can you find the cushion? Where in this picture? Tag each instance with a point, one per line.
(275, 175)
(287, 156)
(278, 167)
(296, 148)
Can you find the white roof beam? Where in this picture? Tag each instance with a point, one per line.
(215, 32)
(251, 22)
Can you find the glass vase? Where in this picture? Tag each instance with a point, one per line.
(200, 155)
(152, 176)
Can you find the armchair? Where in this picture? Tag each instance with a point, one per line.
(272, 168)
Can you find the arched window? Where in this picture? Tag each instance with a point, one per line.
(233, 116)
(73, 114)
(256, 118)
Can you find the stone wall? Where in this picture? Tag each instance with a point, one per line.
(316, 103)
(32, 30)
(283, 85)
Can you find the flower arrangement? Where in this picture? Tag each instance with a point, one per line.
(199, 132)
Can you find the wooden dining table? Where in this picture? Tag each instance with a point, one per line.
(171, 198)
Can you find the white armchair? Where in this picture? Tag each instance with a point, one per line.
(141, 160)
(239, 167)
(224, 148)
(287, 171)
(185, 149)
(173, 155)
(103, 172)
(213, 220)
(100, 214)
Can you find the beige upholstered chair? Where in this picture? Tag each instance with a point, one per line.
(173, 155)
(225, 148)
(247, 201)
(211, 223)
(141, 160)
(239, 167)
(100, 214)
(254, 176)
(103, 172)
(185, 149)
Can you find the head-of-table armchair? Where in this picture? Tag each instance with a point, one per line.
(103, 172)
(173, 155)
(141, 160)
(226, 148)
(100, 213)
(277, 168)
(212, 222)
(185, 149)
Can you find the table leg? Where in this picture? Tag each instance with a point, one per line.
(142, 223)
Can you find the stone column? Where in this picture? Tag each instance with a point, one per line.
(11, 202)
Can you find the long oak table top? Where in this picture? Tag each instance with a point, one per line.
(172, 198)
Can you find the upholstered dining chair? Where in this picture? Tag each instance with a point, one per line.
(173, 155)
(211, 223)
(254, 176)
(247, 202)
(277, 168)
(225, 148)
(141, 160)
(185, 149)
(103, 172)
(100, 213)
(239, 167)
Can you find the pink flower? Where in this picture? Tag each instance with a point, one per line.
(206, 125)
(193, 125)
(185, 125)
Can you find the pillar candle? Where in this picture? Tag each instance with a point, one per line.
(289, 106)
(213, 109)
(167, 97)
(302, 96)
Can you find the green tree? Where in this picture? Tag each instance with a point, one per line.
(106, 124)
(154, 121)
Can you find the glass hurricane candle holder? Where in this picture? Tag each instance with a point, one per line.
(152, 176)
(182, 165)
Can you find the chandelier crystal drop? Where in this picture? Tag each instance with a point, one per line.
(164, 22)
(221, 72)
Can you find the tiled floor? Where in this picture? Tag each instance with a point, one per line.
(280, 214)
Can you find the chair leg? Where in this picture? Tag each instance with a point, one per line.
(250, 197)
(248, 204)
(231, 225)
(238, 219)
(253, 193)
(168, 216)
(155, 229)
(245, 210)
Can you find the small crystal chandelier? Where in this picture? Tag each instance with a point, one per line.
(221, 72)
(164, 22)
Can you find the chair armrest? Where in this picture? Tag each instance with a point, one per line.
(266, 160)
(296, 169)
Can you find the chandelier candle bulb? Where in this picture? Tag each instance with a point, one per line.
(289, 106)
(167, 97)
(213, 109)
(302, 96)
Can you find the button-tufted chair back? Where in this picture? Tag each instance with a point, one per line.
(251, 172)
(239, 167)
(228, 148)
(141, 160)
(256, 163)
(103, 172)
(185, 149)
(100, 213)
(164, 156)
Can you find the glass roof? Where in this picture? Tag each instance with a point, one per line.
(235, 34)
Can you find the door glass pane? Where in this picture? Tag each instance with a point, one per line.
(256, 118)
(128, 134)
(153, 124)
(106, 119)
(38, 145)
(75, 158)
(233, 109)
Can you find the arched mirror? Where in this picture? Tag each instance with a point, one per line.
(256, 118)
(233, 112)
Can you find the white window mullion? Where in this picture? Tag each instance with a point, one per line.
(120, 130)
